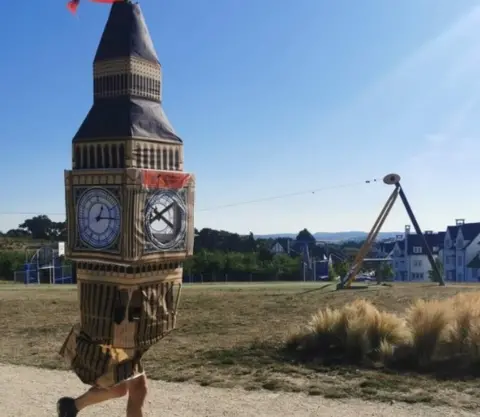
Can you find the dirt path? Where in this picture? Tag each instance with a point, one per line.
(32, 392)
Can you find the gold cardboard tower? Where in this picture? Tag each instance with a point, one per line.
(129, 209)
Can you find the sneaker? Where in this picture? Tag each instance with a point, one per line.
(66, 407)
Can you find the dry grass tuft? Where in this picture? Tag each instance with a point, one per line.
(429, 332)
(462, 338)
(428, 321)
(356, 331)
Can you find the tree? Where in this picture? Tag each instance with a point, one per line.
(264, 255)
(341, 268)
(384, 272)
(41, 227)
(331, 273)
(283, 264)
(305, 236)
(233, 262)
(250, 243)
(388, 272)
(17, 233)
(431, 273)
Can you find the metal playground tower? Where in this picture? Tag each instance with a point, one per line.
(390, 179)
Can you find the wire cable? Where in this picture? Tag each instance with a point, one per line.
(240, 203)
(297, 193)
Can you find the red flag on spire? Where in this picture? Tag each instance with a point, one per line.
(72, 5)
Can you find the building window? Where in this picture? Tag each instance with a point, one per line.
(165, 160)
(152, 158)
(417, 263)
(417, 275)
(171, 163)
(417, 249)
(85, 157)
(91, 161)
(99, 162)
(106, 152)
(177, 160)
(121, 156)
(78, 157)
(114, 158)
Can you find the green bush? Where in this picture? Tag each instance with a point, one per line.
(10, 261)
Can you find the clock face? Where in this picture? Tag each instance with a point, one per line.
(98, 218)
(165, 220)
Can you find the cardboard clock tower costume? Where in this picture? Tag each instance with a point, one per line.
(129, 209)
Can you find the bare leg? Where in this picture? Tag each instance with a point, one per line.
(137, 391)
(98, 395)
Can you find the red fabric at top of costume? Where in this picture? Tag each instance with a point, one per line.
(72, 5)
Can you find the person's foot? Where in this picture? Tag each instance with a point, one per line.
(66, 407)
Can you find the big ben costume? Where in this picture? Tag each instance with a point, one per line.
(129, 209)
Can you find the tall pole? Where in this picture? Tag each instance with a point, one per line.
(357, 263)
(390, 179)
(418, 231)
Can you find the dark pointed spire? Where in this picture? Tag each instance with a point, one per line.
(127, 83)
(126, 35)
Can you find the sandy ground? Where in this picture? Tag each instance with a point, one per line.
(32, 392)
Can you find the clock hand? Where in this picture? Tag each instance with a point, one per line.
(99, 214)
(170, 224)
(159, 214)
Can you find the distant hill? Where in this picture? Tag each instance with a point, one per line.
(333, 236)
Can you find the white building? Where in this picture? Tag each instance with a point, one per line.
(409, 258)
(461, 252)
(277, 248)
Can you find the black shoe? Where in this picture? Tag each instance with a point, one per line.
(66, 407)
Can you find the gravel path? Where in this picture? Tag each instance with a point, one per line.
(32, 392)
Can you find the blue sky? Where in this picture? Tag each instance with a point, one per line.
(271, 98)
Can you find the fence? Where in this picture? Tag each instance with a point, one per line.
(31, 274)
(240, 277)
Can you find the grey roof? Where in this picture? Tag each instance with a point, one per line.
(126, 34)
(441, 239)
(470, 230)
(452, 231)
(126, 118)
(388, 247)
(433, 241)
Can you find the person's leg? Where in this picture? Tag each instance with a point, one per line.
(98, 395)
(70, 407)
(137, 392)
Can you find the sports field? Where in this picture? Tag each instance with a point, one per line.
(232, 335)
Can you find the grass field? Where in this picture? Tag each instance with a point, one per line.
(232, 335)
